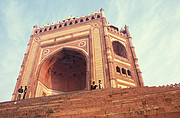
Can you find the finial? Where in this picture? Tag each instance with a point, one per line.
(101, 9)
(102, 12)
(126, 27)
(35, 26)
(127, 31)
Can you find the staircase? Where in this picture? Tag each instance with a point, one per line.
(144, 102)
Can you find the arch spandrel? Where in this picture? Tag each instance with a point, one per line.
(50, 50)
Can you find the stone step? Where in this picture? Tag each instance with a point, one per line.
(98, 103)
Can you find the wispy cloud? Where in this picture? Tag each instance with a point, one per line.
(12, 33)
(12, 19)
(17, 20)
(154, 28)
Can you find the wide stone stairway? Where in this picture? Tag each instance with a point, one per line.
(144, 102)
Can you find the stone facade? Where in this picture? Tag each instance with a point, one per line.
(68, 55)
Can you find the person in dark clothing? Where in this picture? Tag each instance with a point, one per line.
(25, 90)
(93, 86)
(20, 91)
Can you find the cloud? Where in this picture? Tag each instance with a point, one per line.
(12, 14)
(16, 26)
(154, 28)
(12, 33)
(157, 41)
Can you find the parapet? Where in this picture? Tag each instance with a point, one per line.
(67, 22)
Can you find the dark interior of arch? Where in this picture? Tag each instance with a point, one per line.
(65, 71)
(119, 49)
(117, 69)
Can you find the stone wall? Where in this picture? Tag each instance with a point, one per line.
(141, 102)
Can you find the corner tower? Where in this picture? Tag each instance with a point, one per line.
(69, 55)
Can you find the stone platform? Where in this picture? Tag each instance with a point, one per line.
(144, 102)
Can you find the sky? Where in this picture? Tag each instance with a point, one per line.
(154, 26)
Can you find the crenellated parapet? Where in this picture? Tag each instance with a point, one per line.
(171, 85)
(67, 22)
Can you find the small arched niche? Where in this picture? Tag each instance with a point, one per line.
(119, 49)
(117, 69)
(65, 71)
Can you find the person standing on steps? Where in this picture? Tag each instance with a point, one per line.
(100, 84)
(20, 91)
(93, 86)
(25, 91)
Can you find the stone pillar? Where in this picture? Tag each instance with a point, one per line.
(111, 80)
(139, 73)
(20, 76)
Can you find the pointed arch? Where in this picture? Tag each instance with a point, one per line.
(53, 70)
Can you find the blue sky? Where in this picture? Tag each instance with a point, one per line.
(154, 26)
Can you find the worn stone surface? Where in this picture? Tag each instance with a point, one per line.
(137, 102)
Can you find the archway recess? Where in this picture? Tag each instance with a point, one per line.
(65, 71)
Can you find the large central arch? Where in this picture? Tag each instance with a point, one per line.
(64, 71)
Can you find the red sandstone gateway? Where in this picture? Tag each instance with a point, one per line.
(69, 55)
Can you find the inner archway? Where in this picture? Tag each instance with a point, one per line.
(65, 71)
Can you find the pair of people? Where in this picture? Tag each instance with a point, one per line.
(20, 92)
(94, 86)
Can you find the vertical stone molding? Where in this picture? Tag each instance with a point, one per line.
(97, 56)
(30, 63)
